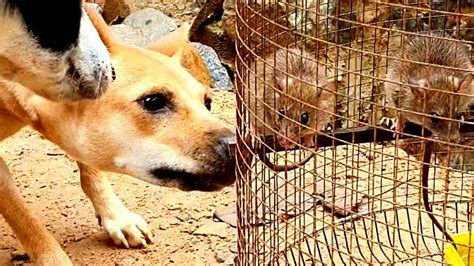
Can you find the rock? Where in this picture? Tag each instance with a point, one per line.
(227, 215)
(153, 23)
(96, 7)
(116, 10)
(216, 70)
(212, 228)
(199, 214)
(228, 19)
(127, 34)
(225, 257)
(128, 260)
(183, 216)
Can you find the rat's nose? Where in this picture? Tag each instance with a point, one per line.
(226, 146)
(455, 137)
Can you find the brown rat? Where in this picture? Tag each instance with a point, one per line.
(426, 88)
(291, 96)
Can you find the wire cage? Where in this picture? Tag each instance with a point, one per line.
(355, 139)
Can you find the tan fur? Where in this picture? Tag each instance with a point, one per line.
(115, 133)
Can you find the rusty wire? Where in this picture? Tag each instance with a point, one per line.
(358, 193)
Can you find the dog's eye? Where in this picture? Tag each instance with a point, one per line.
(304, 119)
(207, 103)
(154, 103)
(434, 117)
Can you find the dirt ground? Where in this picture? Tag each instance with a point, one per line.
(49, 181)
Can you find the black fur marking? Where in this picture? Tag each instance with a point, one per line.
(53, 23)
(199, 182)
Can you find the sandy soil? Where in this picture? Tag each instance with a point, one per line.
(49, 181)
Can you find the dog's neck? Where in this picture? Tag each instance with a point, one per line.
(36, 111)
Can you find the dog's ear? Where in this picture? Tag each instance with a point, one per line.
(102, 28)
(173, 42)
(178, 55)
(177, 46)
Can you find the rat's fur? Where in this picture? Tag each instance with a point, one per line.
(430, 95)
(288, 84)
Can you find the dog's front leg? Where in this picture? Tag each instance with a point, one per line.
(123, 226)
(39, 244)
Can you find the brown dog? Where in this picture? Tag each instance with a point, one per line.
(152, 123)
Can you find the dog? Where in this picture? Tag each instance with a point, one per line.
(52, 48)
(155, 125)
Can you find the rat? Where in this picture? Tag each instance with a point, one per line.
(425, 89)
(291, 96)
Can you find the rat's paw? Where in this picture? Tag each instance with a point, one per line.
(126, 228)
(397, 127)
(388, 122)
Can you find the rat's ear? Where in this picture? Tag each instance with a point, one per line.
(417, 87)
(283, 82)
(171, 43)
(465, 84)
(328, 90)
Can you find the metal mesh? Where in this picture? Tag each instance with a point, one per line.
(342, 188)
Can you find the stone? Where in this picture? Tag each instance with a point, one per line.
(225, 257)
(128, 260)
(228, 19)
(128, 35)
(212, 228)
(227, 215)
(217, 71)
(96, 7)
(152, 22)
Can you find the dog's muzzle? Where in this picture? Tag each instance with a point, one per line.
(213, 175)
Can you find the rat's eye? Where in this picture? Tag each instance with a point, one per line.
(304, 119)
(434, 117)
(207, 102)
(281, 113)
(460, 116)
(154, 103)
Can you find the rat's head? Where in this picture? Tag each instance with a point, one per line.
(52, 48)
(441, 101)
(304, 108)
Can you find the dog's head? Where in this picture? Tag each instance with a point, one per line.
(52, 48)
(153, 123)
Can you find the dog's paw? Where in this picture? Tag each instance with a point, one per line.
(126, 228)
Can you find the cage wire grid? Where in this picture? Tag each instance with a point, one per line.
(322, 178)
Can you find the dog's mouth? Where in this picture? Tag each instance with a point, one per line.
(196, 181)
